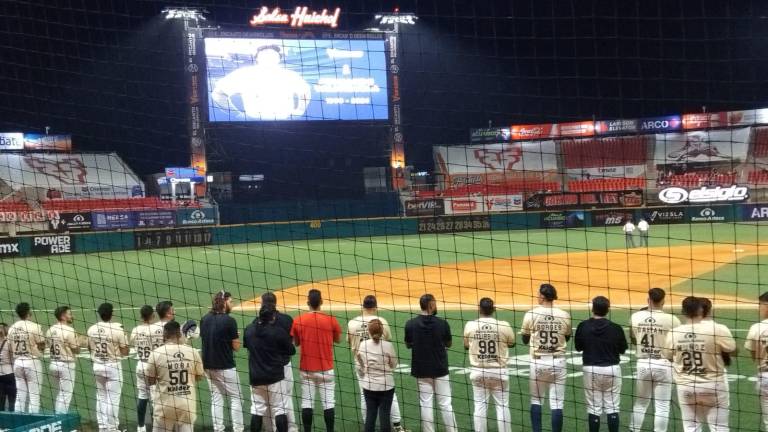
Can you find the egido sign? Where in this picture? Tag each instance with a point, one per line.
(301, 16)
(676, 195)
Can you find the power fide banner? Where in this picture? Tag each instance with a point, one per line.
(193, 67)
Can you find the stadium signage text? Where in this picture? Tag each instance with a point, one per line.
(676, 195)
(9, 248)
(301, 16)
(429, 207)
(52, 245)
(708, 215)
(660, 123)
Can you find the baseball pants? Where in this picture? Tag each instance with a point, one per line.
(394, 413)
(762, 390)
(428, 389)
(654, 381)
(548, 375)
(322, 381)
(29, 377)
(63, 373)
(644, 238)
(702, 403)
(287, 384)
(225, 382)
(486, 384)
(143, 389)
(629, 240)
(268, 398)
(109, 386)
(602, 389)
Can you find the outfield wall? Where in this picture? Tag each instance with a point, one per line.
(69, 243)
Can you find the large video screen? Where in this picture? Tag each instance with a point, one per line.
(295, 79)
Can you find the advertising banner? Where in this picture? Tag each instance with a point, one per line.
(702, 146)
(113, 220)
(609, 127)
(664, 215)
(711, 214)
(660, 124)
(629, 171)
(553, 130)
(425, 207)
(449, 224)
(611, 217)
(27, 216)
(173, 238)
(490, 135)
(496, 158)
(9, 247)
(72, 222)
(705, 120)
(754, 212)
(584, 199)
(54, 143)
(748, 117)
(11, 141)
(464, 205)
(553, 220)
(194, 217)
(52, 245)
(502, 203)
(155, 218)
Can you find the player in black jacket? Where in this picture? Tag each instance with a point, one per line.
(285, 322)
(601, 343)
(268, 346)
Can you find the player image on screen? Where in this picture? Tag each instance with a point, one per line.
(265, 91)
(257, 79)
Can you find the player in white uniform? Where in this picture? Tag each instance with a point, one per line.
(27, 343)
(173, 370)
(695, 350)
(63, 345)
(547, 329)
(649, 329)
(145, 337)
(357, 331)
(488, 341)
(757, 345)
(108, 345)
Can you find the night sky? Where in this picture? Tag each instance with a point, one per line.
(110, 73)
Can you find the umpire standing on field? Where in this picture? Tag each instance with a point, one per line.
(221, 338)
(601, 342)
(428, 337)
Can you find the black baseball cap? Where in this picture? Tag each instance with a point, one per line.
(369, 302)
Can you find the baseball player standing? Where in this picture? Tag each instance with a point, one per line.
(63, 344)
(268, 345)
(27, 343)
(547, 330)
(629, 234)
(173, 371)
(145, 338)
(757, 345)
(649, 329)
(357, 332)
(285, 322)
(221, 338)
(428, 337)
(601, 342)
(695, 350)
(315, 333)
(643, 227)
(7, 379)
(488, 341)
(108, 345)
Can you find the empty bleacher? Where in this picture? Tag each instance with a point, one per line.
(760, 149)
(605, 152)
(606, 184)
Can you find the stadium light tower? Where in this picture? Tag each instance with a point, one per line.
(391, 24)
(193, 67)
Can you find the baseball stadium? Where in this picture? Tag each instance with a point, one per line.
(209, 153)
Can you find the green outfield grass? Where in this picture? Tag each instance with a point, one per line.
(188, 276)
